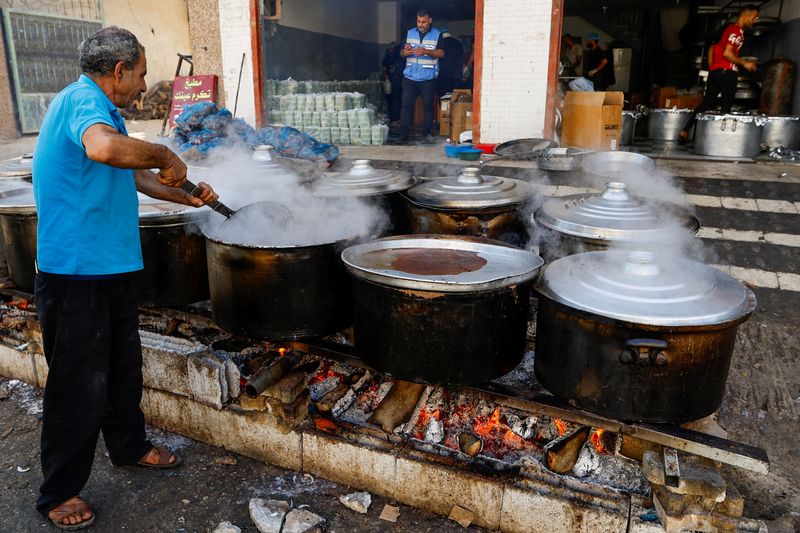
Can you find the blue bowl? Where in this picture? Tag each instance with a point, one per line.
(452, 150)
(469, 154)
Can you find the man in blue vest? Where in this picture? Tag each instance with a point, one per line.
(86, 173)
(423, 50)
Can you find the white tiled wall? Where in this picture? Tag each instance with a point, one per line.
(516, 47)
(234, 27)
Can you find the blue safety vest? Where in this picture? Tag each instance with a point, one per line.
(422, 68)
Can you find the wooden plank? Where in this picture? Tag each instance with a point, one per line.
(556, 23)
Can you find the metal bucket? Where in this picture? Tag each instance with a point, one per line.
(666, 124)
(781, 131)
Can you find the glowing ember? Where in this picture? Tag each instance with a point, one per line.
(323, 424)
(422, 421)
(324, 373)
(22, 303)
(282, 351)
(562, 427)
(597, 440)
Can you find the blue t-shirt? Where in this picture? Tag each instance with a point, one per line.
(88, 211)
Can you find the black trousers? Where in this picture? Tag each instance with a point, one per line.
(90, 331)
(427, 89)
(719, 81)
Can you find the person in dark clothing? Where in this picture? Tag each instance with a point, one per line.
(393, 65)
(724, 63)
(422, 51)
(451, 67)
(595, 63)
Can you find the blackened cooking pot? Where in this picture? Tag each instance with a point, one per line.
(18, 223)
(280, 292)
(635, 337)
(471, 205)
(174, 253)
(441, 309)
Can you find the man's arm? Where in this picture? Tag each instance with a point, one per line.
(599, 67)
(730, 55)
(106, 145)
(148, 183)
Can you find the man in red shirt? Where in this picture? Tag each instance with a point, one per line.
(724, 68)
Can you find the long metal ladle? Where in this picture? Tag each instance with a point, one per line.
(273, 211)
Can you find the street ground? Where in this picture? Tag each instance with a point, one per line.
(750, 213)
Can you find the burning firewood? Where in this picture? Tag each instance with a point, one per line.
(347, 400)
(326, 403)
(259, 382)
(397, 406)
(562, 453)
(469, 443)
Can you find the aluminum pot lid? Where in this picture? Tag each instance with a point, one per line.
(471, 190)
(782, 118)
(617, 166)
(441, 264)
(153, 211)
(364, 180)
(18, 200)
(673, 110)
(615, 215)
(19, 167)
(640, 288)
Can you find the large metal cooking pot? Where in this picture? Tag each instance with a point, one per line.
(379, 187)
(588, 222)
(629, 120)
(562, 159)
(729, 135)
(18, 168)
(781, 131)
(440, 309)
(617, 166)
(523, 149)
(280, 292)
(471, 204)
(174, 253)
(666, 124)
(18, 222)
(629, 336)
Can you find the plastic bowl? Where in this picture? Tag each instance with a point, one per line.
(452, 150)
(485, 148)
(470, 154)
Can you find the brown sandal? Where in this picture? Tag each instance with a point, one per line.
(74, 506)
(163, 459)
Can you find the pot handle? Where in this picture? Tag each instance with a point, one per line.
(644, 352)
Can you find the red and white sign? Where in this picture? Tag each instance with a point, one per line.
(187, 90)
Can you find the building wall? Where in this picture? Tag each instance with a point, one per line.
(8, 121)
(516, 47)
(236, 39)
(388, 23)
(162, 28)
(204, 36)
(324, 40)
(580, 28)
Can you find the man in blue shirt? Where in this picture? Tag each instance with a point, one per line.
(86, 173)
(423, 50)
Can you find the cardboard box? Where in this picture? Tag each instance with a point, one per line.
(444, 116)
(458, 119)
(592, 120)
(686, 101)
(658, 98)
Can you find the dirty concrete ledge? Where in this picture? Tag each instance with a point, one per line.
(512, 504)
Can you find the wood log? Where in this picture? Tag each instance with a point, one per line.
(288, 388)
(258, 383)
(294, 412)
(326, 403)
(561, 453)
(397, 406)
(469, 443)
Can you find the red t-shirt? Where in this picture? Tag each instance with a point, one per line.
(733, 35)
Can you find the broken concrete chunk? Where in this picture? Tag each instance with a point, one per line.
(680, 504)
(464, 517)
(227, 527)
(357, 501)
(233, 377)
(302, 521)
(698, 476)
(390, 513)
(733, 504)
(268, 515)
(227, 460)
(207, 381)
(259, 403)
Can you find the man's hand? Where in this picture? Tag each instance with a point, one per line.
(749, 65)
(207, 195)
(419, 51)
(174, 174)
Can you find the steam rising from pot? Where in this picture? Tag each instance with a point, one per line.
(240, 181)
